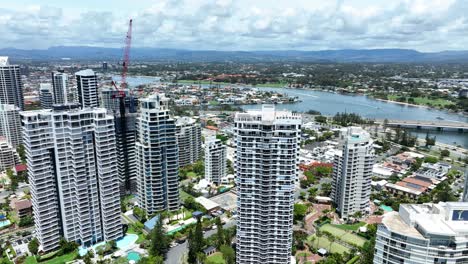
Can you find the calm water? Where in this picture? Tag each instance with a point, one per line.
(331, 103)
(137, 80)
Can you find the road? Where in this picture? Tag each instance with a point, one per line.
(176, 253)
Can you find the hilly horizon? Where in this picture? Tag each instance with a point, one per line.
(167, 54)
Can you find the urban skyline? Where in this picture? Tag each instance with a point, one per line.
(234, 132)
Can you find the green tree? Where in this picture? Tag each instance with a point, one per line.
(88, 258)
(430, 159)
(159, 240)
(219, 233)
(113, 244)
(367, 252)
(21, 153)
(151, 260)
(201, 257)
(13, 179)
(140, 214)
(444, 153)
(430, 141)
(443, 193)
(66, 246)
(320, 119)
(33, 246)
(326, 188)
(26, 221)
(300, 211)
(394, 178)
(229, 255)
(196, 242)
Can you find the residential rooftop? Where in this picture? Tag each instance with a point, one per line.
(424, 220)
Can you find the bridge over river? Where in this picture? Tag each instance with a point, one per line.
(442, 125)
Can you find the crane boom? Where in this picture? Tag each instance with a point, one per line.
(126, 58)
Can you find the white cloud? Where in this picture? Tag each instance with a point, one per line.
(225, 24)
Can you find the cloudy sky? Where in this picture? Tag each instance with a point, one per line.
(425, 25)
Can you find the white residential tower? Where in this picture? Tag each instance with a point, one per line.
(424, 233)
(11, 86)
(215, 160)
(188, 140)
(87, 86)
(267, 147)
(157, 156)
(72, 173)
(352, 172)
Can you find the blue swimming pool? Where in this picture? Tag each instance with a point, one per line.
(5, 223)
(132, 255)
(386, 208)
(125, 242)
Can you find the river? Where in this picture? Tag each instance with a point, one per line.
(331, 103)
(137, 80)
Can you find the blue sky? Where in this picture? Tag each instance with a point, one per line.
(425, 25)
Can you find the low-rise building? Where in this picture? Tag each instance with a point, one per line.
(434, 171)
(23, 208)
(411, 187)
(424, 233)
(208, 204)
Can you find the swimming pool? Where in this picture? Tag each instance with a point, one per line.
(132, 255)
(125, 242)
(4, 223)
(386, 208)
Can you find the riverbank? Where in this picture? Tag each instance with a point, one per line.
(195, 82)
(403, 103)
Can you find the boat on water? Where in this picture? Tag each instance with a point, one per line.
(439, 118)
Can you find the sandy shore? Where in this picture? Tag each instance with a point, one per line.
(403, 103)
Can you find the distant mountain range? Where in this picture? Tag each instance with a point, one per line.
(155, 54)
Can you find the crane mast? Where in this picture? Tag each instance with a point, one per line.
(121, 95)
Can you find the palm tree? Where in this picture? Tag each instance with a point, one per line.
(332, 239)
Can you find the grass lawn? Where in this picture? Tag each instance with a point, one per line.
(184, 195)
(30, 260)
(191, 174)
(57, 260)
(353, 260)
(432, 102)
(216, 258)
(323, 242)
(425, 101)
(343, 235)
(188, 214)
(353, 227)
(141, 236)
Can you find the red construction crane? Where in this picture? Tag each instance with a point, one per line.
(121, 96)
(126, 61)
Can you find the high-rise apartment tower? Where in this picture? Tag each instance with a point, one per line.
(266, 165)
